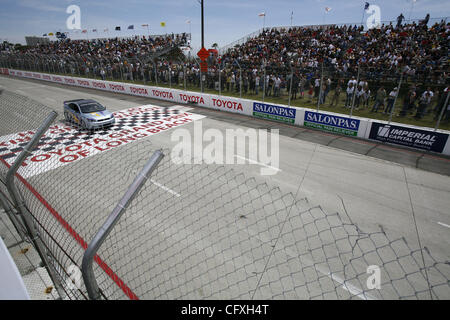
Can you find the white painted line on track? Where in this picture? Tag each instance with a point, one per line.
(259, 163)
(443, 224)
(165, 188)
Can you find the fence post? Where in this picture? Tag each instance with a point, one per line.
(184, 76)
(20, 203)
(91, 251)
(201, 76)
(290, 87)
(220, 81)
(396, 96)
(442, 111)
(321, 85)
(264, 82)
(170, 76)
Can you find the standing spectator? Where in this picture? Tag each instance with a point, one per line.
(269, 85)
(359, 94)
(245, 84)
(337, 94)
(430, 93)
(310, 93)
(301, 86)
(317, 88)
(409, 101)
(425, 100)
(424, 22)
(251, 79)
(277, 83)
(322, 94)
(400, 20)
(379, 101)
(233, 81)
(327, 89)
(295, 85)
(257, 83)
(390, 101)
(352, 81)
(350, 91)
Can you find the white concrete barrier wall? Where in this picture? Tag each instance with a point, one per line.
(416, 137)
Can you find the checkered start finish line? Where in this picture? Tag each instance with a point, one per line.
(63, 144)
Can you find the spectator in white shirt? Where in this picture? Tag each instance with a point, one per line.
(350, 91)
(390, 101)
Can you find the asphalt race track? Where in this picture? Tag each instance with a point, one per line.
(405, 193)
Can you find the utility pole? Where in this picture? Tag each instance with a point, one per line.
(203, 27)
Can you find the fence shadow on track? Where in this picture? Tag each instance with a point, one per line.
(200, 231)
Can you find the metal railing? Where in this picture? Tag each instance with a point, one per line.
(113, 218)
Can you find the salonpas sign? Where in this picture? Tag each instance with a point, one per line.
(271, 112)
(330, 123)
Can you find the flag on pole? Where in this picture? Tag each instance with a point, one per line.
(327, 9)
(163, 24)
(94, 30)
(50, 33)
(106, 30)
(188, 21)
(44, 35)
(131, 27)
(84, 31)
(366, 6)
(262, 14)
(117, 28)
(145, 25)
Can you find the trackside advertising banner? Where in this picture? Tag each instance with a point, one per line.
(410, 137)
(272, 112)
(177, 96)
(329, 122)
(332, 123)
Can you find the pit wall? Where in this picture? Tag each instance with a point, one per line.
(420, 138)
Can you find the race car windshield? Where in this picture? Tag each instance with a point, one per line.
(93, 107)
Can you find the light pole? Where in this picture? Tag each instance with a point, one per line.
(412, 8)
(203, 26)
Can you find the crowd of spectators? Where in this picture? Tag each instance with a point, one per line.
(115, 56)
